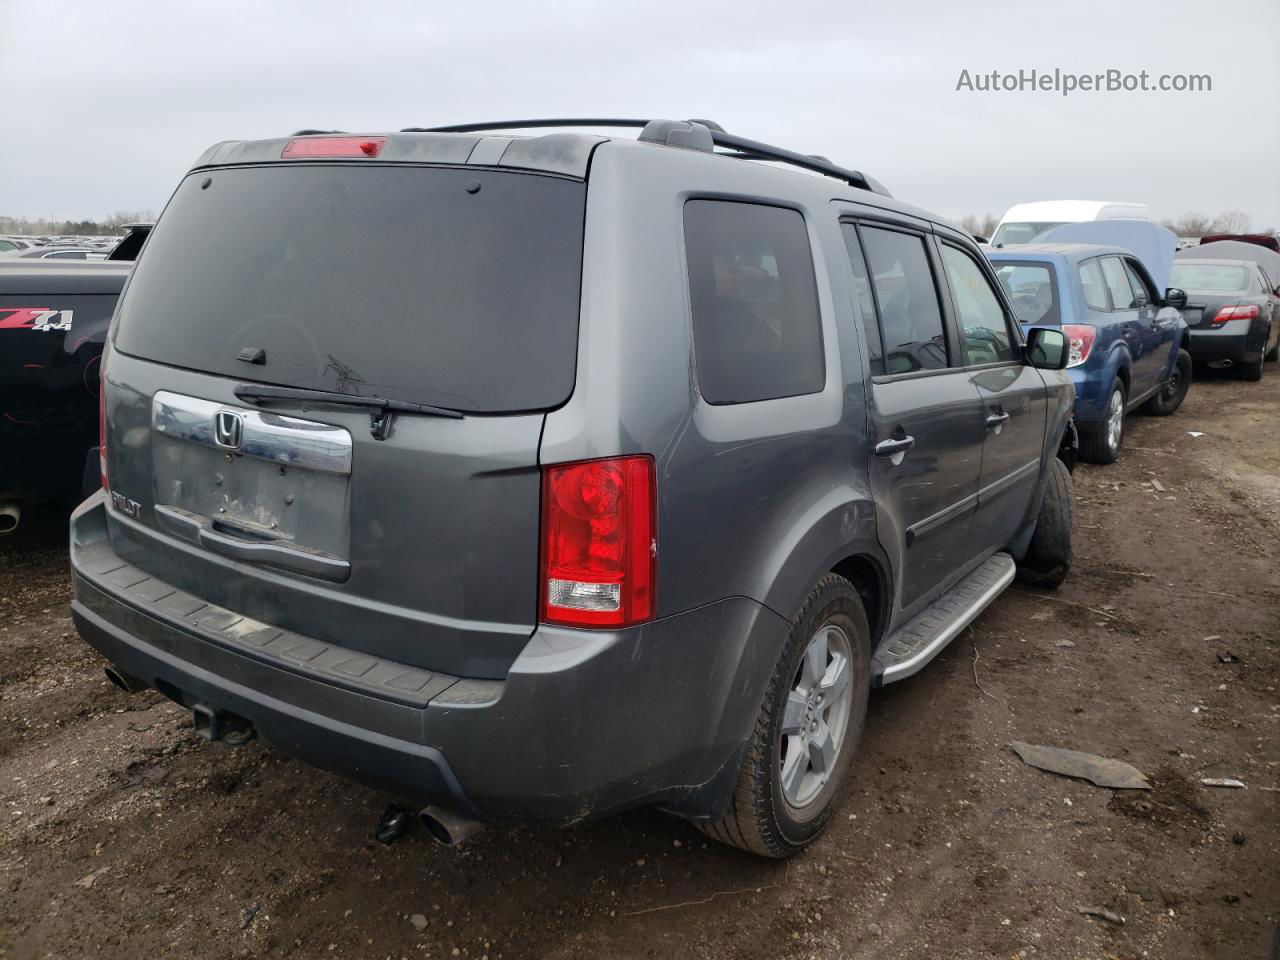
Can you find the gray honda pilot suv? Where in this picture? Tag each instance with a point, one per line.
(540, 477)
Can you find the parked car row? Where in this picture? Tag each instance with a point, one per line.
(1105, 284)
(76, 248)
(1139, 308)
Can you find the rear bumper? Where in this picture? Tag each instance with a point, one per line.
(1091, 396)
(1236, 340)
(585, 723)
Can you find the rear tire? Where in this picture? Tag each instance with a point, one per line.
(1101, 443)
(1048, 558)
(1170, 396)
(1253, 371)
(775, 812)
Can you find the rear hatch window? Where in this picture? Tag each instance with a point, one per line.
(1032, 291)
(1209, 277)
(458, 288)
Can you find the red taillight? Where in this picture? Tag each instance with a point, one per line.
(333, 147)
(1238, 312)
(102, 419)
(1080, 337)
(598, 542)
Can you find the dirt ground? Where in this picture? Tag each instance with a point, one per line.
(124, 835)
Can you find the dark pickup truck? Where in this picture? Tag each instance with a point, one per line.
(53, 323)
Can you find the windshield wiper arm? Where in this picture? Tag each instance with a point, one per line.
(381, 408)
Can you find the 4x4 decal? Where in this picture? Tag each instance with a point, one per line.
(34, 318)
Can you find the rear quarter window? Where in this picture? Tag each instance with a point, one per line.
(756, 327)
(1094, 287)
(1031, 289)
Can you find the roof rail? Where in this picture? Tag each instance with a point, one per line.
(694, 134)
(524, 124)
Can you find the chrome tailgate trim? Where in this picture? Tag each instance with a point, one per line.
(264, 436)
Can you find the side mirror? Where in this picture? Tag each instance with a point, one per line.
(1046, 348)
(1176, 298)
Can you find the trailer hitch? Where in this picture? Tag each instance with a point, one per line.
(223, 725)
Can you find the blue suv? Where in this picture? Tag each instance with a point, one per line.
(1128, 343)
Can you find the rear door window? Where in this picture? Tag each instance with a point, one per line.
(1095, 288)
(458, 288)
(1122, 295)
(984, 329)
(907, 295)
(756, 326)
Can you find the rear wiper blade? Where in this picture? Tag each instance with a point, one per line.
(381, 408)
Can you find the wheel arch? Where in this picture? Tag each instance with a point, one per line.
(869, 577)
(837, 536)
(1123, 362)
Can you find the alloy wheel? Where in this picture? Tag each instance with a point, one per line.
(816, 717)
(1115, 420)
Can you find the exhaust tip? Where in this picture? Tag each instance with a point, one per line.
(446, 828)
(10, 517)
(123, 681)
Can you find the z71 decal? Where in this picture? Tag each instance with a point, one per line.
(34, 318)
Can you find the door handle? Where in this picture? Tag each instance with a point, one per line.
(997, 419)
(894, 446)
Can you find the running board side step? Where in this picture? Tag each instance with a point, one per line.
(923, 637)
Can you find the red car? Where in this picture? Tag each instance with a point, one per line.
(1261, 239)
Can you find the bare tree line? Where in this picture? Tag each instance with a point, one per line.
(1191, 224)
(114, 224)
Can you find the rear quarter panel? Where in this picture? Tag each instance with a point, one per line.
(754, 500)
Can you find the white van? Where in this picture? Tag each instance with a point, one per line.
(1023, 222)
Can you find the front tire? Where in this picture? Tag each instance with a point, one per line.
(1170, 396)
(1048, 558)
(1101, 443)
(808, 730)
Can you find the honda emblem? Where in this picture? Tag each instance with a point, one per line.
(228, 428)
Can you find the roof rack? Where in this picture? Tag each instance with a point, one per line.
(694, 134)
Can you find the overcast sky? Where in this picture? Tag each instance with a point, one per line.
(105, 104)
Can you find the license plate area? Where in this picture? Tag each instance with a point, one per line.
(1193, 316)
(253, 474)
